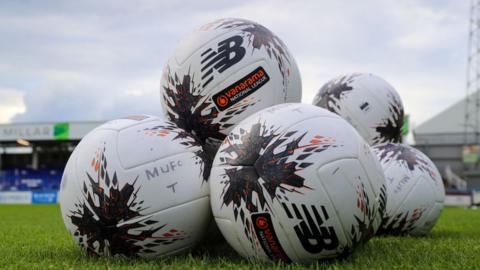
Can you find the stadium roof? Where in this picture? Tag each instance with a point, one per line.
(46, 131)
(451, 120)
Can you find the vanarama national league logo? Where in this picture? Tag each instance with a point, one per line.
(241, 89)
(267, 237)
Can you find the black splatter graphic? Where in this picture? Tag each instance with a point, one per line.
(406, 155)
(263, 153)
(382, 206)
(390, 130)
(333, 91)
(99, 215)
(401, 224)
(244, 181)
(187, 139)
(364, 230)
(411, 159)
(191, 110)
(259, 36)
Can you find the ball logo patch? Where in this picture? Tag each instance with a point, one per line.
(241, 89)
(268, 238)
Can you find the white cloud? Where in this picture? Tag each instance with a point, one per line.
(424, 28)
(11, 103)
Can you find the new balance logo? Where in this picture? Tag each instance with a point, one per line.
(229, 53)
(312, 235)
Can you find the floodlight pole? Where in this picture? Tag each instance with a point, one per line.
(472, 99)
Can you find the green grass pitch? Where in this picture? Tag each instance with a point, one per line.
(34, 237)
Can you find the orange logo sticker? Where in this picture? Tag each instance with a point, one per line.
(262, 223)
(222, 101)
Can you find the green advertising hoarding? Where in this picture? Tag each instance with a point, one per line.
(61, 131)
(406, 125)
(470, 154)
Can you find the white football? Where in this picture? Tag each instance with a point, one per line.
(296, 183)
(136, 187)
(222, 73)
(367, 102)
(415, 190)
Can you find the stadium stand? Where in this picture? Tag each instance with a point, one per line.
(28, 180)
(32, 158)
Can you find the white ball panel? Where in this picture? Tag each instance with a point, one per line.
(195, 41)
(313, 206)
(190, 227)
(400, 183)
(122, 123)
(414, 187)
(177, 178)
(429, 219)
(230, 232)
(135, 147)
(420, 197)
(68, 191)
(346, 184)
(372, 168)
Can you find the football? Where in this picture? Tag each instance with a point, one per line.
(415, 190)
(223, 72)
(368, 103)
(136, 187)
(296, 183)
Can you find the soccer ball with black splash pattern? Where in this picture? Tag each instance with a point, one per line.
(367, 102)
(222, 73)
(136, 187)
(415, 190)
(296, 183)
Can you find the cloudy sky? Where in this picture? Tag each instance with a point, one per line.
(97, 60)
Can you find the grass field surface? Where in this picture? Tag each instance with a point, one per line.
(34, 237)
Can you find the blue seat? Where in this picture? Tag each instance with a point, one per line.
(30, 180)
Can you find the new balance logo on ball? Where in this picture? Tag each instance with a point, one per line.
(228, 54)
(313, 234)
